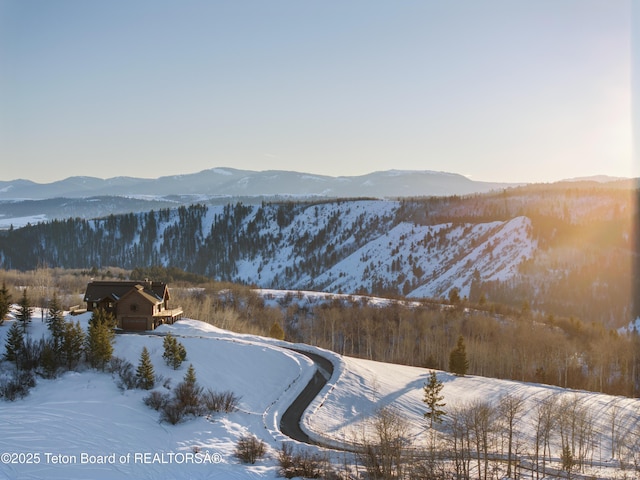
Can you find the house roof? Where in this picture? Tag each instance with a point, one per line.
(98, 291)
(144, 294)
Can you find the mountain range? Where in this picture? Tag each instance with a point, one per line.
(25, 202)
(232, 182)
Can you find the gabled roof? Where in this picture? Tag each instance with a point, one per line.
(98, 291)
(144, 294)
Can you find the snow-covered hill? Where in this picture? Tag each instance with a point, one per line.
(564, 249)
(341, 246)
(85, 413)
(83, 416)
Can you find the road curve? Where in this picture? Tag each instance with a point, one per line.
(290, 421)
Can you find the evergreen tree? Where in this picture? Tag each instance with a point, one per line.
(25, 311)
(190, 376)
(73, 342)
(14, 344)
(49, 360)
(458, 363)
(145, 374)
(100, 337)
(454, 296)
(276, 331)
(433, 399)
(55, 322)
(475, 292)
(188, 394)
(5, 302)
(174, 352)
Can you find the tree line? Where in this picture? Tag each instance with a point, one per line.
(502, 342)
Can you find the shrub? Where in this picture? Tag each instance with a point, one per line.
(127, 379)
(226, 402)
(172, 412)
(187, 395)
(301, 464)
(17, 387)
(31, 355)
(249, 449)
(156, 400)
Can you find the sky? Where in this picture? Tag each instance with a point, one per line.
(526, 91)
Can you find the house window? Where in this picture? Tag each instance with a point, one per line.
(133, 307)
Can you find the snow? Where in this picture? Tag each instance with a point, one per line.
(633, 326)
(85, 413)
(315, 178)
(222, 171)
(18, 222)
(494, 248)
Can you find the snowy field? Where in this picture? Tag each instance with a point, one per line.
(66, 426)
(19, 222)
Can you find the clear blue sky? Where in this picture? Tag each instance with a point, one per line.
(528, 90)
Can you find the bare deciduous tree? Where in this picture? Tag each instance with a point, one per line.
(384, 445)
(510, 409)
(545, 419)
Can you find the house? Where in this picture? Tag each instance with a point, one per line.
(138, 306)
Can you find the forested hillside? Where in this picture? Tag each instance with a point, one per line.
(563, 249)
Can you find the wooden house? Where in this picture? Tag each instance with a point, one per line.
(137, 306)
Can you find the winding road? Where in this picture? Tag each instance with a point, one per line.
(290, 421)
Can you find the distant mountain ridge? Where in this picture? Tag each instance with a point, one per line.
(234, 183)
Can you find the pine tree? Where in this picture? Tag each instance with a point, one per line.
(188, 394)
(5, 302)
(73, 342)
(49, 360)
(433, 399)
(454, 296)
(14, 344)
(145, 374)
(458, 363)
(190, 376)
(276, 331)
(55, 322)
(174, 352)
(100, 337)
(25, 311)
